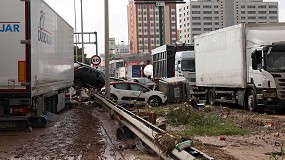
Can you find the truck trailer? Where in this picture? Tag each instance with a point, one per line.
(36, 62)
(243, 64)
(167, 64)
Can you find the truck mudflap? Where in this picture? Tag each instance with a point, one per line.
(13, 123)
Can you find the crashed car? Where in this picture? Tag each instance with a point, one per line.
(134, 93)
(87, 76)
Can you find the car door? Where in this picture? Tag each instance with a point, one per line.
(122, 92)
(138, 93)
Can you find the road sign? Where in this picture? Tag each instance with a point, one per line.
(95, 60)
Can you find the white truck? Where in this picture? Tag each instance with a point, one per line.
(243, 64)
(36, 62)
(185, 65)
(174, 60)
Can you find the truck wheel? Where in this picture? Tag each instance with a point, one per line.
(154, 101)
(251, 101)
(78, 84)
(211, 96)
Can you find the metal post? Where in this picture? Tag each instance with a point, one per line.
(107, 58)
(76, 51)
(96, 44)
(82, 38)
(160, 25)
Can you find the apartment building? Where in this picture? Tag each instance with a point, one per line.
(143, 26)
(196, 17)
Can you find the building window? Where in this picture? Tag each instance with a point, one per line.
(196, 29)
(272, 6)
(195, 6)
(251, 17)
(208, 23)
(272, 17)
(216, 12)
(272, 12)
(195, 12)
(196, 23)
(262, 6)
(207, 6)
(207, 12)
(242, 6)
(196, 18)
(207, 18)
(250, 6)
(207, 29)
(261, 12)
(215, 6)
(251, 12)
(262, 17)
(242, 12)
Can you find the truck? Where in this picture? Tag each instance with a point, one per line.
(185, 65)
(36, 63)
(243, 64)
(174, 60)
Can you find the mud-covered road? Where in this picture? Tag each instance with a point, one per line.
(83, 133)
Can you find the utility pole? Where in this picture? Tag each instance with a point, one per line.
(82, 38)
(76, 50)
(107, 58)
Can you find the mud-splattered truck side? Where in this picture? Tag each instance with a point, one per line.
(36, 62)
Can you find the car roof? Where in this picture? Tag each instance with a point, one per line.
(122, 82)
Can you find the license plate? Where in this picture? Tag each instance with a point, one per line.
(8, 124)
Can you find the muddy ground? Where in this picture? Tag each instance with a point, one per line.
(88, 132)
(85, 132)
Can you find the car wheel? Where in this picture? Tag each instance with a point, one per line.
(113, 97)
(78, 83)
(154, 101)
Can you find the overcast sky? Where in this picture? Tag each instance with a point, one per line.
(93, 18)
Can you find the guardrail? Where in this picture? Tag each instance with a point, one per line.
(147, 131)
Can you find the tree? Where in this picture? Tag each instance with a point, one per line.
(79, 56)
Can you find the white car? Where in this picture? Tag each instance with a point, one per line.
(134, 93)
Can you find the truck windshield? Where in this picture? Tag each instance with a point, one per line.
(275, 59)
(188, 65)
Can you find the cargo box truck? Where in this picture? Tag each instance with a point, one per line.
(243, 64)
(36, 62)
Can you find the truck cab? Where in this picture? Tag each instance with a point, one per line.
(267, 73)
(185, 65)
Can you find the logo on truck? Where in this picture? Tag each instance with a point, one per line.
(9, 26)
(44, 36)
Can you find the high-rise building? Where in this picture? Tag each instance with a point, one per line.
(196, 17)
(143, 26)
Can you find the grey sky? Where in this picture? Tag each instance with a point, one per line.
(93, 18)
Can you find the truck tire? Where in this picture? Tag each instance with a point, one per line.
(154, 101)
(251, 101)
(211, 96)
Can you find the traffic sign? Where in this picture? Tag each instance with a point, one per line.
(95, 60)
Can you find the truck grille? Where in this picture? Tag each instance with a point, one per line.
(280, 84)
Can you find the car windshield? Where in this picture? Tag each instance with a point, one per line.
(188, 65)
(275, 59)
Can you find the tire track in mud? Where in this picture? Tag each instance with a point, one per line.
(76, 135)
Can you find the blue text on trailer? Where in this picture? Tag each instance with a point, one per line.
(9, 27)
